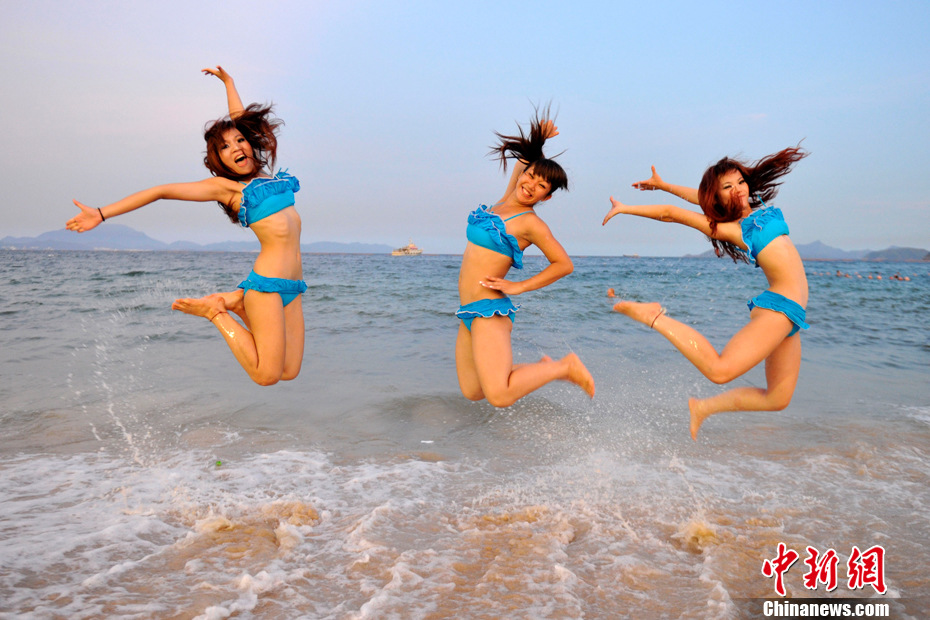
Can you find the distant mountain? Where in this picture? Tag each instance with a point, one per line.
(115, 237)
(899, 254)
(818, 250)
(118, 237)
(821, 251)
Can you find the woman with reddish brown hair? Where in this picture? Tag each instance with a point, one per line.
(740, 224)
(240, 153)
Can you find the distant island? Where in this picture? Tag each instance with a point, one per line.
(119, 237)
(821, 251)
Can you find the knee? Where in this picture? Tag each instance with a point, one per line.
(499, 400)
(470, 387)
(266, 379)
(473, 395)
(720, 374)
(779, 400)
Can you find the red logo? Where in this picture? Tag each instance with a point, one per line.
(863, 568)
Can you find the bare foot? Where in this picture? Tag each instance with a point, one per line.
(233, 300)
(578, 374)
(645, 313)
(545, 358)
(207, 307)
(697, 416)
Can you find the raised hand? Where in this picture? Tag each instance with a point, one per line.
(549, 130)
(233, 100)
(616, 208)
(652, 183)
(219, 72)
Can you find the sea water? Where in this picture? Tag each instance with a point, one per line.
(142, 475)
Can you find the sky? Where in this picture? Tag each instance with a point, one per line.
(390, 108)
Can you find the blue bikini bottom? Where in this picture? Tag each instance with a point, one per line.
(779, 303)
(486, 308)
(289, 290)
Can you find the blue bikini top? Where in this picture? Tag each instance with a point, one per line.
(488, 230)
(761, 227)
(264, 196)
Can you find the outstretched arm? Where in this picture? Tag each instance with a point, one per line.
(211, 189)
(232, 95)
(655, 182)
(560, 264)
(663, 213)
(549, 131)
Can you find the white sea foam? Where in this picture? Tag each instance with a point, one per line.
(921, 414)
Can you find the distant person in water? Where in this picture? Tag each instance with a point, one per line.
(240, 154)
(733, 198)
(497, 236)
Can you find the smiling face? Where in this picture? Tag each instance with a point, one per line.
(531, 188)
(732, 189)
(236, 153)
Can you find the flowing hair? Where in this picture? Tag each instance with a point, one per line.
(762, 178)
(259, 127)
(528, 148)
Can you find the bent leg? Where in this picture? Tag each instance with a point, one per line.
(294, 339)
(465, 365)
(263, 357)
(501, 382)
(782, 368)
(235, 302)
(261, 352)
(749, 346)
(207, 307)
(232, 302)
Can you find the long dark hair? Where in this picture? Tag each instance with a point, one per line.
(259, 127)
(762, 178)
(529, 149)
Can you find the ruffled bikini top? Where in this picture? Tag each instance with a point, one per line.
(488, 230)
(264, 196)
(761, 227)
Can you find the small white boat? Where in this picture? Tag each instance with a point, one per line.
(408, 250)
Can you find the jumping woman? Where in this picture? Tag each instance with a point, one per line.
(240, 154)
(733, 197)
(497, 236)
